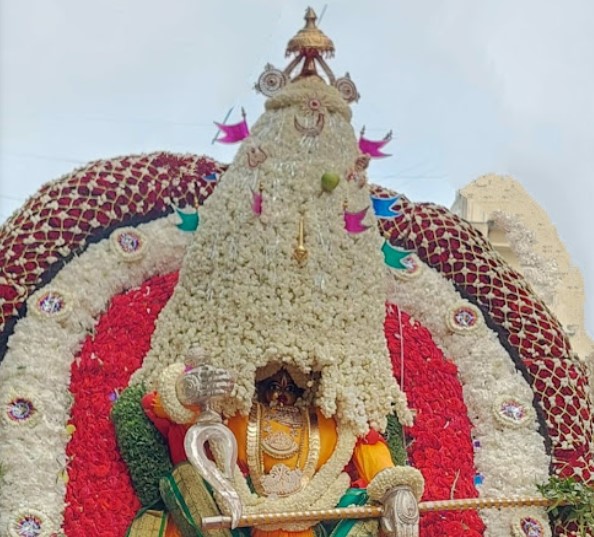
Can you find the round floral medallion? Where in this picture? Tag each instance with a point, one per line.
(28, 523)
(511, 412)
(20, 410)
(51, 303)
(530, 526)
(129, 243)
(464, 318)
(314, 104)
(271, 81)
(412, 267)
(346, 87)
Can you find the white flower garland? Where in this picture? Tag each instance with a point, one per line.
(511, 459)
(391, 477)
(166, 390)
(34, 456)
(322, 488)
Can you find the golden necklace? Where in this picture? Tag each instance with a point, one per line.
(281, 480)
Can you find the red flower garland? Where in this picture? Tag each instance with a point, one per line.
(441, 443)
(100, 497)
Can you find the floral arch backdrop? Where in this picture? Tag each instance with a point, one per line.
(90, 260)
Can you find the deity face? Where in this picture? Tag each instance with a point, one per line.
(279, 390)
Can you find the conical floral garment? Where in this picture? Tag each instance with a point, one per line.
(248, 299)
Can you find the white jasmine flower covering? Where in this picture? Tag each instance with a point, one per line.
(250, 306)
(512, 460)
(246, 301)
(392, 477)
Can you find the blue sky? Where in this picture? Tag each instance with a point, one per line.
(468, 87)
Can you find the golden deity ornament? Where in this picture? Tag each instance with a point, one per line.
(310, 38)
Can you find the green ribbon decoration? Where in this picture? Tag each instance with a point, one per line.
(163, 524)
(393, 256)
(189, 221)
(351, 497)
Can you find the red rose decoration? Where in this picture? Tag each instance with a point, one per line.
(441, 443)
(101, 500)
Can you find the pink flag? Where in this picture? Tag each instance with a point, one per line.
(353, 221)
(373, 148)
(233, 133)
(257, 202)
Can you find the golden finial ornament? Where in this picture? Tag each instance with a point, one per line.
(310, 38)
(309, 47)
(300, 253)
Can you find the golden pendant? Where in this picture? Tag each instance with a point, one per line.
(280, 445)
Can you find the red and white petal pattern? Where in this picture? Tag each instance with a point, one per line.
(526, 327)
(38, 365)
(509, 460)
(66, 213)
(441, 445)
(100, 499)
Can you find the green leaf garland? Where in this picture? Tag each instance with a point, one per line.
(141, 445)
(573, 501)
(395, 441)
